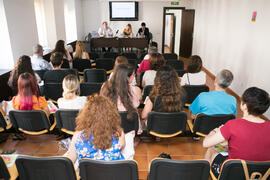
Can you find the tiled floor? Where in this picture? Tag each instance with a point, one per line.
(180, 148)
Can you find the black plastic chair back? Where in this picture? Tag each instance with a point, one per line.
(50, 168)
(53, 91)
(142, 57)
(104, 170)
(130, 55)
(193, 91)
(41, 73)
(57, 76)
(65, 118)
(4, 174)
(170, 56)
(166, 123)
(181, 170)
(181, 72)
(110, 55)
(87, 89)
(233, 169)
(146, 91)
(176, 64)
(29, 120)
(102, 63)
(81, 64)
(93, 55)
(206, 123)
(65, 64)
(95, 75)
(133, 62)
(129, 125)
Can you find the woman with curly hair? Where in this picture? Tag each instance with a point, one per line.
(167, 95)
(156, 62)
(126, 97)
(71, 92)
(98, 135)
(22, 65)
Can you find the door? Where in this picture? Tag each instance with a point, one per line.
(186, 37)
(169, 33)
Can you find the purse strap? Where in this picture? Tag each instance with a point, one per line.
(254, 174)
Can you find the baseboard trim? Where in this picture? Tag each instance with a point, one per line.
(228, 90)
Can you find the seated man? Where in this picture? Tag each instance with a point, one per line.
(217, 101)
(143, 32)
(37, 61)
(57, 74)
(105, 30)
(248, 137)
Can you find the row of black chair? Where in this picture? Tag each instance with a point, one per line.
(36, 168)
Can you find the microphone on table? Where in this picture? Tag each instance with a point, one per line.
(116, 32)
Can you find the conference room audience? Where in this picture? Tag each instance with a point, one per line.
(126, 97)
(105, 30)
(98, 135)
(80, 52)
(28, 97)
(60, 48)
(143, 32)
(194, 74)
(248, 137)
(127, 32)
(71, 92)
(166, 95)
(57, 74)
(217, 101)
(121, 60)
(37, 61)
(23, 64)
(156, 62)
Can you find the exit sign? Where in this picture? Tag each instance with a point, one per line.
(174, 3)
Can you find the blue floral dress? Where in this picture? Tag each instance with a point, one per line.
(85, 149)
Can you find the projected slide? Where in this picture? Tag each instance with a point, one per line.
(124, 11)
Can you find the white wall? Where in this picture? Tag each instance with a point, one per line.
(79, 20)
(22, 26)
(225, 37)
(6, 56)
(150, 12)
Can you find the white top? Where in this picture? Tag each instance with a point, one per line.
(194, 78)
(149, 77)
(83, 55)
(76, 103)
(38, 63)
(107, 32)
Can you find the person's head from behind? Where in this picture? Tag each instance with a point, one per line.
(79, 50)
(60, 46)
(27, 88)
(194, 64)
(224, 79)
(100, 119)
(71, 86)
(38, 50)
(143, 25)
(57, 60)
(255, 101)
(118, 86)
(167, 86)
(156, 61)
(23, 64)
(105, 25)
(120, 60)
(152, 50)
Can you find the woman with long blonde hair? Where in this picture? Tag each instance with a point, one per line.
(71, 92)
(98, 135)
(80, 52)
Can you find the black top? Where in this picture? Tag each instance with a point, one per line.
(57, 76)
(145, 32)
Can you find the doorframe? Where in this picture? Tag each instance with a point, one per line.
(171, 45)
(163, 26)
